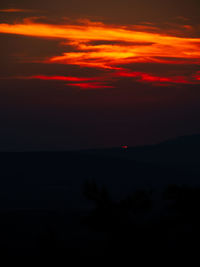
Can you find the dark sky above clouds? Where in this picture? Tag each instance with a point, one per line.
(121, 11)
(85, 74)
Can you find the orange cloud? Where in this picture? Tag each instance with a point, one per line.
(15, 10)
(98, 45)
(149, 44)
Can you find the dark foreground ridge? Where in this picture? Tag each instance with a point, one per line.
(102, 203)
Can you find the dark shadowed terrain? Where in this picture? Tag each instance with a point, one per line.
(98, 203)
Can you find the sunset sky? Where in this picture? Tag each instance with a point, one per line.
(92, 74)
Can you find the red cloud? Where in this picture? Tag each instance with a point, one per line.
(197, 76)
(92, 85)
(61, 78)
(146, 77)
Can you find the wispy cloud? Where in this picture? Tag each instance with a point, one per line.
(80, 82)
(16, 10)
(91, 85)
(160, 80)
(108, 47)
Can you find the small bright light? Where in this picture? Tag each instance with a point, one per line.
(124, 147)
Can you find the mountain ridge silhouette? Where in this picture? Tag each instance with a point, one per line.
(175, 150)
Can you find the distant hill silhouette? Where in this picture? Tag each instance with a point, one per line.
(52, 202)
(185, 149)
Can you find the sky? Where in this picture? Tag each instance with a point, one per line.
(93, 74)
